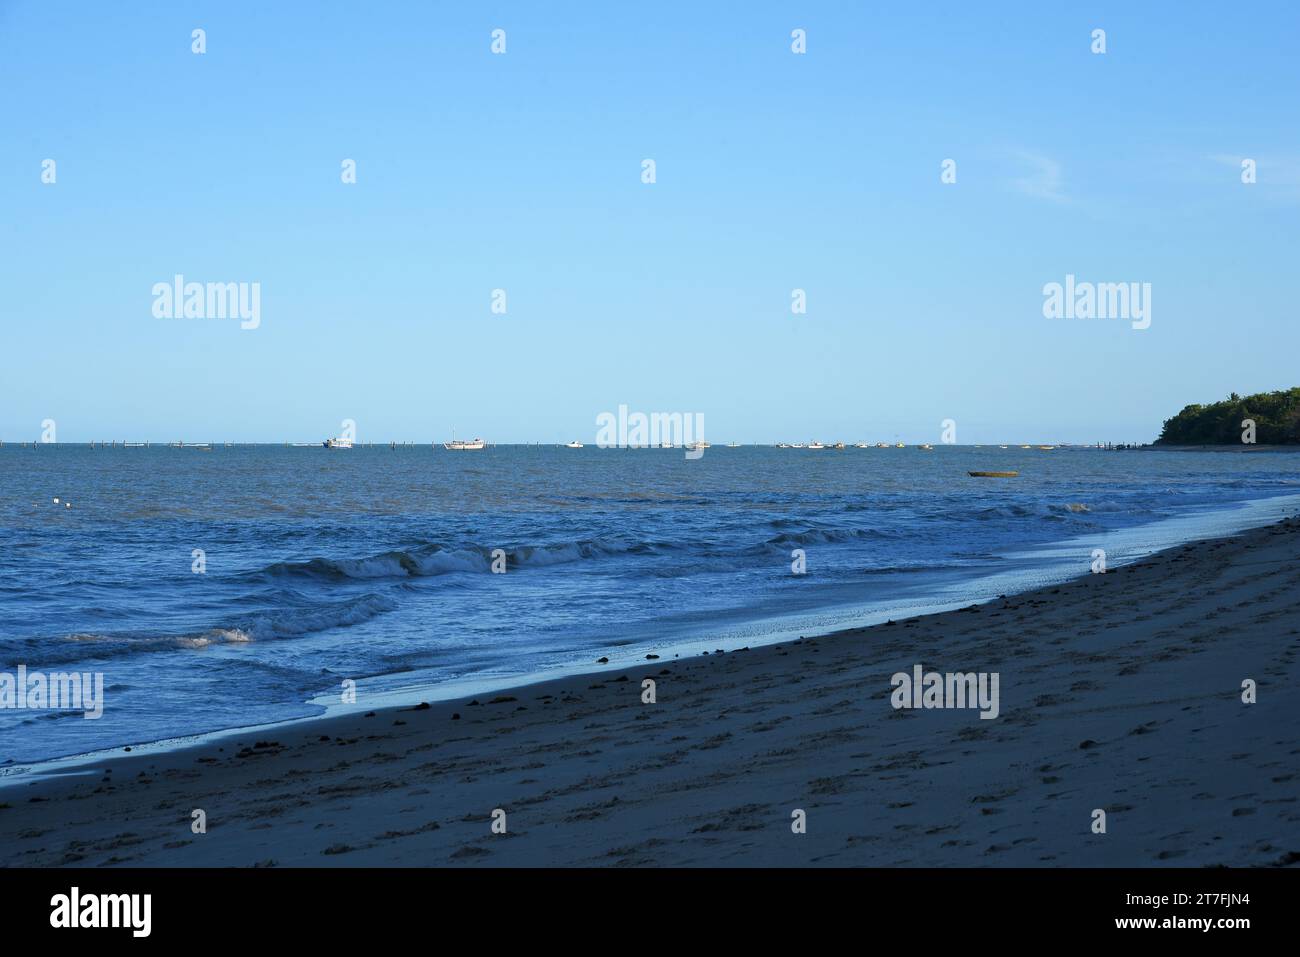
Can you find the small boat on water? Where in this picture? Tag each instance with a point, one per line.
(882, 445)
(816, 446)
(1047, 448)
(463, 445)
(927, 447)
(861, 445)
(839, 445)
(337, 443)
(733, 445)
(900, 445)
(992, 474)
(575, 444)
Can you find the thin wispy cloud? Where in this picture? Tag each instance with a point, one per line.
(1042, 178)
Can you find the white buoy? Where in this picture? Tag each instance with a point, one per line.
(56, 501)
(67, 505)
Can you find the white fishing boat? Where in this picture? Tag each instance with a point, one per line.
(882, 445)
(816, 446)
(861, 445)
(463, 445)
(733, 445)
(337, 443)
(927, 447)
(575, 444)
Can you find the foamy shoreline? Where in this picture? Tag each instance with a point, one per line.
(407, 689)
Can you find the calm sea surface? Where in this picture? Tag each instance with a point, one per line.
(374, 564)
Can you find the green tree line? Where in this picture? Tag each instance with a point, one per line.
(1276, 416)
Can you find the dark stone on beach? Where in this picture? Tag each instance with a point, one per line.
(323, 737)
(651, 657)
(455, 716)
(502, 699)
(126, 749)
(368, 714)
(422, 706)
(1089, 743)
(621, 678)
(602, 661)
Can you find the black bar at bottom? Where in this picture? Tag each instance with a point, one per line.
(307, 905)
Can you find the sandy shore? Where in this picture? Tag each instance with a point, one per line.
(1119, 692)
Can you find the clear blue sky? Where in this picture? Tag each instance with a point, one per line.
(522, 172)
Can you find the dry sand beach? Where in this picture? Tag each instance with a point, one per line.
(1119, 691)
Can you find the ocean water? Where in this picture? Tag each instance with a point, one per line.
(374, 564)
